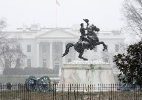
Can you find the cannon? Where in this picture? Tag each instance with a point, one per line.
(42, 84)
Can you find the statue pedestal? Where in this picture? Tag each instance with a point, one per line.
(87, 73)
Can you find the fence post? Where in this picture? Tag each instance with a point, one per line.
(90, 91)
(77, 91)
(62, 91)
(68, 91)
(74, 92)
(111, 91)
(53, 91)
(115, 91)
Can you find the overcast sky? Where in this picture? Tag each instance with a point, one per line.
(105, 14)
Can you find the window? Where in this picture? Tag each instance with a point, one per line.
(95, 49)
(28, 48)
(44, 63)
(28, 62)
(116, 48)
(44, 49)
(116, 33)
(56, 67)
(18, 46)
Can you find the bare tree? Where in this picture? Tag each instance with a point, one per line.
(11, 54)
(132, 10)
(10, 51)
(3, 35)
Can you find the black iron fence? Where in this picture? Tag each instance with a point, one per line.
(71, 92)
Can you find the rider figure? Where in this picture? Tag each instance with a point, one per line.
(83, 35)
(88, 31)
(82, 31)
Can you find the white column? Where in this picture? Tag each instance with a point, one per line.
(64, 46)
(51, 61)
(63, 58)
(37, 54)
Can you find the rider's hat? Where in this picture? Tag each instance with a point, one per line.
(86, 20)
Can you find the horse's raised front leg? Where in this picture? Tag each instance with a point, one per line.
(80, 56)
(104, 45)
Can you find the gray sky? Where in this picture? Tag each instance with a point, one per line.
(105, 14)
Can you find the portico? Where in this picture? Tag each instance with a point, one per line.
(50, 46)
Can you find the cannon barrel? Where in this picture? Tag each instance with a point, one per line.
(30, 83)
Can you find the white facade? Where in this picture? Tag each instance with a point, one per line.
(45, 48)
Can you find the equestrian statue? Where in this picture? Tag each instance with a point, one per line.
(87, 40)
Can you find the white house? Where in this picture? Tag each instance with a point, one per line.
(45, 46)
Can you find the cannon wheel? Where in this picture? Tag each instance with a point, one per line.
(30, 84)
(44, 84)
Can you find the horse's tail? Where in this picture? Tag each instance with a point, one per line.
(67, 48)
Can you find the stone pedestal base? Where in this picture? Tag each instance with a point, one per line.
(87, 74)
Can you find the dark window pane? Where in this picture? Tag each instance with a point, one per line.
(28, 48)
(116, 48)
(28, 62)
(44, 62)
(44, 49)
(18, 46)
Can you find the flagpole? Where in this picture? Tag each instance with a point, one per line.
(56, 14)
(57, 4)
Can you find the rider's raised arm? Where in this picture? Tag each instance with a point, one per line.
(87, 21)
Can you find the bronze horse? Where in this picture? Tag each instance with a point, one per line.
(80, 46)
